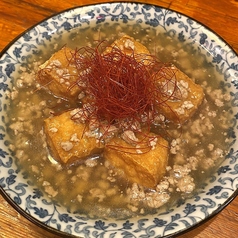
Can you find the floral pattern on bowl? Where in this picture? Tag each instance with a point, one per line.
(217, 192)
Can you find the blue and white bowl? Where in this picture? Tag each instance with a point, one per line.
(217, 192)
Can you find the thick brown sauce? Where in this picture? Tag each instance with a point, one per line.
(94, 188)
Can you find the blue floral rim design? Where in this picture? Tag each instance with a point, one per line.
(27, 199)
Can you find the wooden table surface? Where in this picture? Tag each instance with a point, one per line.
(219, 15)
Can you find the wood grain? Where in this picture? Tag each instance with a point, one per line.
(221, 16)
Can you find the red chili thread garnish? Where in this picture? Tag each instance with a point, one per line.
(119, 85)
(122, 90)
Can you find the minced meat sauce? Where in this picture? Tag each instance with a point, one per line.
(94, 187)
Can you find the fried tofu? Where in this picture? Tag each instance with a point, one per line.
(145, 168)
(67, 139)
(183, 95)
(186, 95)
(59, 75)
(129, 46)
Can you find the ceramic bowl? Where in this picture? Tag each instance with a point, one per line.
(218, 190)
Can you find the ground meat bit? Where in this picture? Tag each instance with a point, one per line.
(132, 207)
(223, 120)
(79, 115)
(183, 86)
(82, 173)
(108, 131)
(12, 147)
(111, 173)
(93, 124)
(55, 63)
(201, 127)
(19, 83)
(217, 94)
(153, 199)
(66, 145)
(49, 189)
(162, 186)
(197, 128)
(129, 137)
(79, 198)
(172, 181)
(202, 116)
(23, 142)
(207, 163)
(227, 97)
(208, 124)
(74, 138)
(138, 149)
(21, 155)
(186, 105)
(23, 69)
(111, 179)
(53, 129)
(200, 153)
(35, 169)
(81, 95)
(98, 193)
(129, 44)
(92, 134)
(136, 192)
(103, 184)
(91, 162)
(174, 147)
(159, 119)
(46, 183)
(181, 171)
(185, 184)
(17, 127)
(57, 166)
(212, 114)
(153, 142)
(73, 179)
(193, 162)
(69, 171)
(111, 192)
(60, 73)
(28, 79)
(210, 147)
(168, 168)
(217, 153)
(13, 94)
(156, 200)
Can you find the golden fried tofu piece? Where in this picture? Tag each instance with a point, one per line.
(183, 97)
(67, 139)
(129, 46)
(142, 166)
(59, 75)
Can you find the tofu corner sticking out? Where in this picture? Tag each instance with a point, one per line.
(187, 95)
(146, 169)
(129, 46)
(67, 139)
(59, 75)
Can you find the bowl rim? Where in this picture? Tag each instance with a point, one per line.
(61, 233)
(67, 235)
